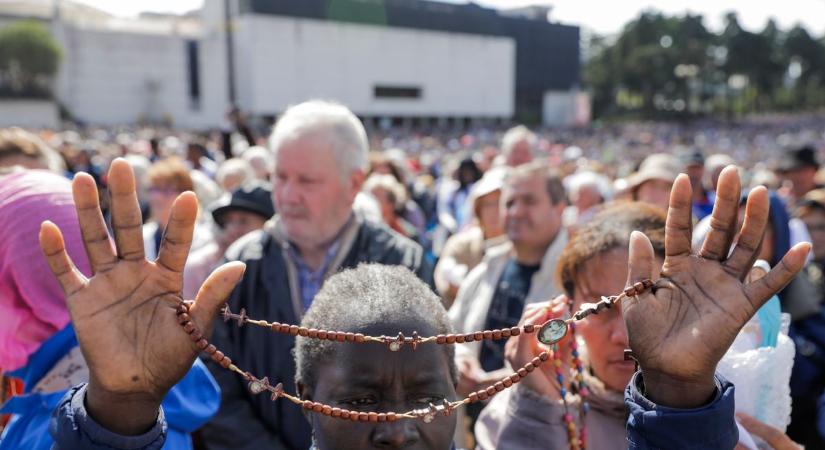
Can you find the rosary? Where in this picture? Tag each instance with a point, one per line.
(549, 333)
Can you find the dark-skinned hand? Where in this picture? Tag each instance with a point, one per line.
(680, 330)
(124, 315)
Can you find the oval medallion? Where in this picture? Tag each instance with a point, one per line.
(552, 332)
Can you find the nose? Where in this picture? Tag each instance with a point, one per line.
(398, 434)
(618, 331)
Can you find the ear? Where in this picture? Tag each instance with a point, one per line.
(356, 182)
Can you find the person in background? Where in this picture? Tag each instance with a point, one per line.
(465, 249)
(38, 344)
(260, 159)
(797, 170)
(391, 197)
(694, 166)
(167, 178)
(246, 210)
(518, 146)
(410, 211)
(654, 179)
(233, 173)
(198, 158)
(22, 148)
(453, 212)
(714, 165)
(587, 191)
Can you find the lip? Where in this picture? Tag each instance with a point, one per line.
(622, 364)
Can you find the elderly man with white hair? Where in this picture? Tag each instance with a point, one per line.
(518, 146)
(320, 151)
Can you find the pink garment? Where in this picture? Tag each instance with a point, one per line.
(32, 305)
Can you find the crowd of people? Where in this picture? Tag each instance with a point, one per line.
(433, 231)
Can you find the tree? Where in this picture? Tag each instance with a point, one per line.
(29, 59)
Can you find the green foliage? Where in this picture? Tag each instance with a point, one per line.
(29, 59)
(672, 66)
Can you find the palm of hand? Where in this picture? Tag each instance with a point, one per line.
(680, 329)
(124, 315)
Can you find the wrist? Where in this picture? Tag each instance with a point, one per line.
(107, 409)
(675, 392)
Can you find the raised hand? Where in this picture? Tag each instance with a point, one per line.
(681, 329)
(124, 315)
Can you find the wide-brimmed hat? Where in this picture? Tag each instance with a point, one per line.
(658, 166)
(253, 197)
(797, 158)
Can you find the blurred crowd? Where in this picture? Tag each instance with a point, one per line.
(491, 217)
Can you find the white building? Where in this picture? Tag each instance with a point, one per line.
(421, 60)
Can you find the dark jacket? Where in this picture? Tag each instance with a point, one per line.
(268, 292)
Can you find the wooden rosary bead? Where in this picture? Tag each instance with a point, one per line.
(460, 339)
(210, 349)
(322, 334)
(373, 417)
(478, 335)
(487, 334)
(467, 337)
(202, 344)
(529, 367)
(363, 417)
(497, 334)
(327, 410)
(451, 338)
(293, 330)
(440, 339)
(359, 338)
(536, 361)
(302, 331)
(275, 327)
(307, 404)
(630, 292)
(188, 327)
(312, 333)
(529, 328)
(317, 407)
(505, 333)
(391, 417)
(499, 386)
(344, 414)
(491, 391)
(183, 318)
(507, 382)
(196, 335)
(522, 372)
(473, 397)
(182, 308)
(382, 417)
(225, 362)
(217, 356)
(515, 331)
(336, 412)
(515, 378)
(482, 395)
(639, 287)
(341, 337)
(544, 356)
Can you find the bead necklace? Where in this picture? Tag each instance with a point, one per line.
(548, 333)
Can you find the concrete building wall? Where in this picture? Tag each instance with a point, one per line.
(283, 60)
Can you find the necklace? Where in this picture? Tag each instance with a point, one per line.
(549, 333)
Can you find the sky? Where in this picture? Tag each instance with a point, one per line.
(600, 16)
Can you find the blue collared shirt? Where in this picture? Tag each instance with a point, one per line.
(309, 280)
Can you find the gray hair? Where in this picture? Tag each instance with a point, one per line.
(398, 194)
(367, 295)
(515, 135)
(335, 121)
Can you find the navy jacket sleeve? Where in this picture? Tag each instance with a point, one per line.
(650, 426)
(72, 428)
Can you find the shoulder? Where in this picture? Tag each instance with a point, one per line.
(251, 246)
(383, 245)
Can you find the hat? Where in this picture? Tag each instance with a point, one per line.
(658, 166)
(797, 158)
(253, 197)
(692, 158)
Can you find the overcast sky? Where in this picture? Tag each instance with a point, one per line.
(601, 16)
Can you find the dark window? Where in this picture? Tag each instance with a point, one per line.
(193, 73)
(397, 92)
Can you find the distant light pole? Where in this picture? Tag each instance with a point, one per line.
(230, 53)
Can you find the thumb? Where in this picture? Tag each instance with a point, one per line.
(215, 290)
(641, 260)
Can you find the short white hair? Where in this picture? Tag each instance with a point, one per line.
(236, 168)
(389, 184)
(588, 180)
(343, 129)
(515, 135)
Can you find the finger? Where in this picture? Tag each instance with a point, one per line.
(174, 248)
(764, 288)
(215, 290)
(641, 259)
(753, 230)
(724, 216)
(678, 225)
(92, 227)
(127, 221)
(61, 265)
(774, 437)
